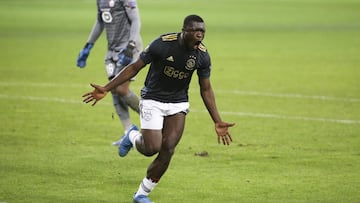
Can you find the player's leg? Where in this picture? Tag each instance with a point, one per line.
(162, 126)
(124, 90)
(120, 105)
(129, 97)
(122, 110)
(122, 96)
(172, 133)
(148, 142)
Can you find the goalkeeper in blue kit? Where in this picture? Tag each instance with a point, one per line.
(121, 21)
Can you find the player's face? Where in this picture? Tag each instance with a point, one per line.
(193, 34)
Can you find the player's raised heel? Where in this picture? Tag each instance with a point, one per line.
(142, 199)
(117, 143)
(124, 144)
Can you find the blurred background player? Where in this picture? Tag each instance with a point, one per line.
(121, 20)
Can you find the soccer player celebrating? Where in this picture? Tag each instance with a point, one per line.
(121, 20)
(173, 58)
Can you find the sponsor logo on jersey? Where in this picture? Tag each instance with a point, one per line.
(173, 73)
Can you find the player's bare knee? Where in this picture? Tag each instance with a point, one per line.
(122, 90)
(151, 150)
(150, 153)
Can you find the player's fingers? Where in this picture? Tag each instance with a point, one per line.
(87, 94)
(224, 140)
(88, 99)
(227, 139)
(230, 138)
(85, 99)
(94, 102)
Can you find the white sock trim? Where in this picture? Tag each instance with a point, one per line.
(133, 136)
(146, 186)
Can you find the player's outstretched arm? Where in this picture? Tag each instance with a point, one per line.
(221, 128)
(100, 92)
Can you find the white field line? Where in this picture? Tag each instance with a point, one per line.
(235, 92)
(299, 96)
(242, 114)
(274, 116)
(65, 85)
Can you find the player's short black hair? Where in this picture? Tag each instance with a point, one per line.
(192, 18)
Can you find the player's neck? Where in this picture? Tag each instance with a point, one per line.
(182, 41)
(183, 44)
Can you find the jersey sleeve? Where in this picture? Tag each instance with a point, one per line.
(98, 16)
(96, 31)
(134, 17)
(204, 66)
(151, 51)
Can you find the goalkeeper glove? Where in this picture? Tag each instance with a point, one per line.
(126, 56)
(83, 55)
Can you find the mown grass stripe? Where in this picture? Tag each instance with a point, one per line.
(242, 114)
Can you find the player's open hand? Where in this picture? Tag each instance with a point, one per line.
(222, 130)
(98, 93)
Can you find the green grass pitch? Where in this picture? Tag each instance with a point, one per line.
(287, 72)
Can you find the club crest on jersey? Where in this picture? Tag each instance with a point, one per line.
(106, 16)
(190, 63)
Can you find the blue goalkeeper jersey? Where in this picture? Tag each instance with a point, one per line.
(171, 69)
